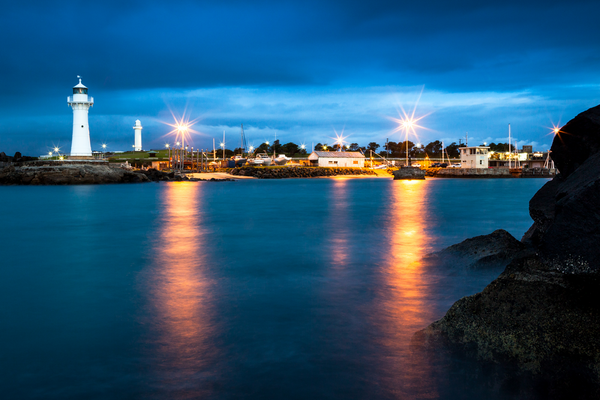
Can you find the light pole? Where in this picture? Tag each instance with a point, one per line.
(168, 153)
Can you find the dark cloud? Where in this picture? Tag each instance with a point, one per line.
(119, 46)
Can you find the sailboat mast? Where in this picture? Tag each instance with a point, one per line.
(509, 153)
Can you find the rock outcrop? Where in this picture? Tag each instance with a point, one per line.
(67, 174)
(542, 314)
(497, 249)
(409, 173)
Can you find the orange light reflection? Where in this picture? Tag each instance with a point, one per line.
(181, 290)
(408, 282)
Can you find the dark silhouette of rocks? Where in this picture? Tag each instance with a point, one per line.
(497, 249)
(578, 140)
(542, 314)
(409, 173)
(67, 174)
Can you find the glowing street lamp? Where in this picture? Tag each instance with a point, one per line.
(408, 123)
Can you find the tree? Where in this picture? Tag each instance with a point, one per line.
(434, 149)
(401, 148)
(262, 148)
(499, 148)
(452, 150)
(275, 147)
(373, 146)
(290, 149)
(353, 147)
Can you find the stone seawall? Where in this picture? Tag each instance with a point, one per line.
(491, 172)
(469, 172)
(297, 172)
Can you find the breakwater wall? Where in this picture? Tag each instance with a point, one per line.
(491, 172)
(297, 172)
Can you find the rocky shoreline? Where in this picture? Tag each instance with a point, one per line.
(298, 172)
(542, 314)
(69, 173)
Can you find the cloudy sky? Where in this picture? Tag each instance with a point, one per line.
(300, 70)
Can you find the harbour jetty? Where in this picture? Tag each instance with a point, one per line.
(297, 172)
(541, 316)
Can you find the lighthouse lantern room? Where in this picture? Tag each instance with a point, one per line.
(80, 146)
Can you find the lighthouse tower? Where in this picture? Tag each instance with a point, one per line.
(138, 135)
(80, 146)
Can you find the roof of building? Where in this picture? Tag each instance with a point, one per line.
(339, 154)
(80, 85)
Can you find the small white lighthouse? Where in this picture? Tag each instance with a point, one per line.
(80, 146)
(138, 135)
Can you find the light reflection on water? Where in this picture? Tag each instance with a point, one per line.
(180, 292)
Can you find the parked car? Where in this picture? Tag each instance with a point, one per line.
(454, 166)
(416, 165)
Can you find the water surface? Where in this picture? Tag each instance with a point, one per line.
(306, 288)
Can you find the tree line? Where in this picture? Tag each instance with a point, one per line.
(390, 149)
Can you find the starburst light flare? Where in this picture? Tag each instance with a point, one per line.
(182, 128)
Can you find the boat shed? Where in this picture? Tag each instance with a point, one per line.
(353, 159)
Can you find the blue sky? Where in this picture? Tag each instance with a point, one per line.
(298, 69)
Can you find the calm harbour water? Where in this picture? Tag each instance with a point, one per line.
(301, 289)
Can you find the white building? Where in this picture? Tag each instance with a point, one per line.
(80, 145)
(337, 159)
(138, 135)
(474, 157)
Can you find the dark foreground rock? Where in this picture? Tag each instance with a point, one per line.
(68, 174)
(495, 250)
(542, 314)
(297, 172)
(409, 173)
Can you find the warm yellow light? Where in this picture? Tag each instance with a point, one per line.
(556, 130)
(222, 144)
(182, 128)
(56, 149)
(267, 142)
(167, 145)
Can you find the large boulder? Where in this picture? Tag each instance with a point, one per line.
(497, 249)
(578, 140)
(542, 314)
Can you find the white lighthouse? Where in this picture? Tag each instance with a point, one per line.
(80, 146)
(138, 135)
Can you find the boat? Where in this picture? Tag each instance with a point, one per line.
(239, 160)
(282, 160)
(264, 159)
(255, 161)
